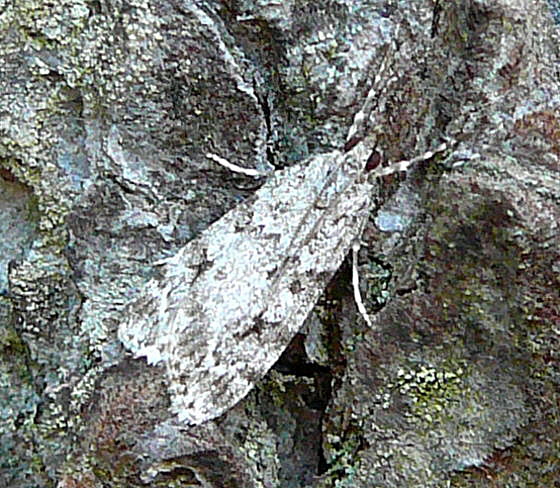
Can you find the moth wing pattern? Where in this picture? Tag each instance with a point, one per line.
(231, 300)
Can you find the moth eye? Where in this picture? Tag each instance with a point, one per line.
(373, 161)
(352, 142)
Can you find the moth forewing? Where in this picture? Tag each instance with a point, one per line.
(231, 300)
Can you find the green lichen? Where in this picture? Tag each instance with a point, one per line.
(10, 341)
(429, 390)
(344, 461)
(378, 276)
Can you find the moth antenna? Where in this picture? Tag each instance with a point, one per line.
(357, 130)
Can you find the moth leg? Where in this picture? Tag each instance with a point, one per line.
(236, 169)
(356, 284)
(406, 163)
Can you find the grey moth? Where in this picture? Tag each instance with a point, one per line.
(231, 300)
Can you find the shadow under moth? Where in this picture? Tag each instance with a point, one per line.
(231, 300)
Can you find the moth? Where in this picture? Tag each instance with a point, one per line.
(229, 302)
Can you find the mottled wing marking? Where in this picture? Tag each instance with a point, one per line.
(264, 265)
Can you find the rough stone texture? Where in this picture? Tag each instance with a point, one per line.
(107, 109)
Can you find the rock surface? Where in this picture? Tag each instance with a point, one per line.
(107, 112)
